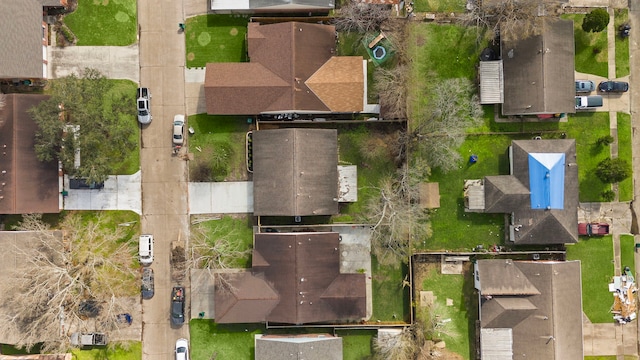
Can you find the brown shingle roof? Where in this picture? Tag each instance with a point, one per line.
(289, 54)
(29, 186)
(505, 194)
(304, 270)
(539, 71)
(295, 172)
(547, 325)
(338, 84)
(21, 40)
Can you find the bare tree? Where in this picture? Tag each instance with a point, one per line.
(403, 346)
(514, 19)
(391, 85)
(439, 129)
(361, 17)
(65, 281)
(397, 215)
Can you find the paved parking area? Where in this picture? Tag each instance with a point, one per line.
(120, 192)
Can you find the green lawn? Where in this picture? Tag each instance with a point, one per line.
(591, 48)
(129, 351)
(463, 313)
(131, 163)
(622, 44)
(390, 298)
(440, 6)
(104, 22)
(237, 229)
(215, 38)
(218, 145)
(596, 257)
(627, 252)
(625, 187)
(356, 344)
(230, 342)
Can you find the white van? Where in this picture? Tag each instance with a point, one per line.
(145, 249)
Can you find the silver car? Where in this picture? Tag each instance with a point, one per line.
(178, 130)
(144, 106)
(585, 86)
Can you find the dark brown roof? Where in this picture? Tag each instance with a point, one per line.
(294, 347)
(304, 270)
(295, 172)
(505, 194)
(29, 186)
(21, 40)
(284, 56)
(539, 71)
(544, 325)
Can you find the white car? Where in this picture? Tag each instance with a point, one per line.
(145, 249)
(144, 106)
(178, 130)
(182, 349)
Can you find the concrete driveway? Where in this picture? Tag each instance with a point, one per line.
(221, 197)
(114, 62)
(120, 192)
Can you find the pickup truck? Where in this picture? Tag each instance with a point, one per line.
(593, 229)
(177, 306)
(88, 339)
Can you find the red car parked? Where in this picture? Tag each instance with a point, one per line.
(593, 229)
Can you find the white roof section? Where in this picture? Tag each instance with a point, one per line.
(491, 82)
(496, 344)
(348, 183)
(229, 5)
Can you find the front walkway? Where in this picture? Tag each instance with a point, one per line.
(120, 192)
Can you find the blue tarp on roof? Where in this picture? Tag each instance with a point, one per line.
(546, 180)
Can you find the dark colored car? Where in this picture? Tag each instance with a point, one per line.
(84, 184)
(593, 229)
(147, 286)
(177, 306)
(613, 86)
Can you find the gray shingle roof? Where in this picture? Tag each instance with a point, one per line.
(295, 347)
(21, 40)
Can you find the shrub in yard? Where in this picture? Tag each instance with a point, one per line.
(613, 170)
(608, 195)
(605, 140)
(201, 172)
(596, 21)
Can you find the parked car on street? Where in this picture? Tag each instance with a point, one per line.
(147, 286)
(593, 229)
(613, 86)
(177, 306)
(182, 349)
(145, 249)
(144, 106)
(585, 86)
(588, 102)
(178, 130)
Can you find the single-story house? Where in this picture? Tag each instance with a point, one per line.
(301, 346)
(271, 6)
(295, 279)
(292, 69)
(295, 172)
(529, 309)
(540, 193)
(27, 184)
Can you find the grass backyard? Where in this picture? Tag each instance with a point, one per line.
(237, 229)
(104, 22)
(356, 344)
(596, 257)
(131, 164)
(390, 297)
(215, 38)
(627, 252)
(591, 48)
(218, 145)
(230, 342)
(622, 44)
(625, 187)
(447, 6)
(128, 351)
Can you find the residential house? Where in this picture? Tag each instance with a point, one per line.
(534, 76)
(540, 193)
(301, 346)
(295, 279)
(292, 69)
(529, 309)
(271, 6)
(295, 172)
(24, 39)
(27, 185)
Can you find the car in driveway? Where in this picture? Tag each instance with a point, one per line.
(585, 86)
(613, 86)
(593, 229)
(145, 249)
(177, 306)
(178, 130)
(84, 184)
(144, 106)
(147, 285)
(182, 349)
(588, 102)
